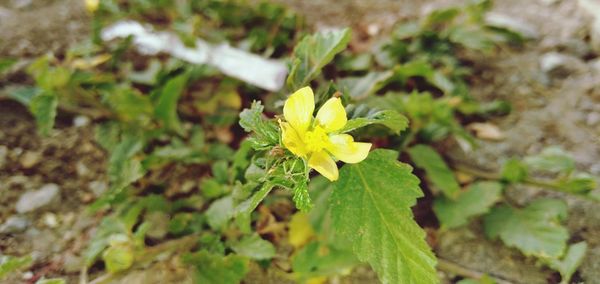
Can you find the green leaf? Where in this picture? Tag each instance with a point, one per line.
(213, 268)
(312, 53)
(166, 105)
(265, 132)
(578, 183)
(24, 95)
(483, 280)
(514, 171)
(6, 63)
(220, 212)
(436, 169)
(246, 207)
(535, 230)
(302, 197)
(118, 258)
(362, 87)
(10, 264)
(107, 135)
(552, 159)
(43, 107)
(569, 263)
(129, 105)
(254, 247)
(123, 168)
(370, 206)
(391, 119)
(475, 201)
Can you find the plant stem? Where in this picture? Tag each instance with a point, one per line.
(453, 268)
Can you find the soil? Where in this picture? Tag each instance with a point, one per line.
(548, 109)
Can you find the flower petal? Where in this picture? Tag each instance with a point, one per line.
(346, 150)
(299, 108)
(332, 115)
(324, 164)
(291, 139)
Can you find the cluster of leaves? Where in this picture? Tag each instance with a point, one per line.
(163, 121)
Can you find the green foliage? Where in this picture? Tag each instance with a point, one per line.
(118, 257)
(570, 261)
(10, 264)
(314, 52)
(535, 230)
(514, 171)
(362, 87)
(316, 259)
(551, 159)
(254, 247)
(371, 208)
(166, 104)
(436, 169)
(361, 116)
(213, 268)
(51, 281)
(265, 132)
(43, 107)
(472, 202)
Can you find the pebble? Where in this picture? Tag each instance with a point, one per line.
(33, 200)
(557, 64)
(81, 121)
(14, 224)
(81, 169)
(50, 220)
(593, 118)
(30, 159)
(98, 187)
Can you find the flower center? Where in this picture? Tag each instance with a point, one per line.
(316, 139)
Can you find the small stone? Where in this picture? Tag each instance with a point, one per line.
(30, 159)
(593, 118)
(557, 64)
(81, 169)
(50, 220)
(81, 121)
(33, 200)
(98, 187)
(27, 275)
(14, 224)
(511, 23)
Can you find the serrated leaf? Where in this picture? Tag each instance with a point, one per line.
(436, 169)
(578, 183)
(43, 107)
(534, 230)
(389, 118)
(246, 207)
(265, 132)
(122, 168)
(312, 53)
(10, 264)
(370, 206)
(254, 247)
(213, 268)
(569, 263)
(301, 197)
(317, 259)
(475, 201)
(166, 105)
(362, 87)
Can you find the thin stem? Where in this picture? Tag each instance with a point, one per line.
(453, 268)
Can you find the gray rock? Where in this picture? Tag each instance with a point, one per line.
(81, 121)
(556, 64)
(33, 200)
(508, 22)
(14, 224)
(593, 118)
(98, 187)
(30, 159)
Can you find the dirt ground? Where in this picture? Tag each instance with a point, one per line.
(549, 108)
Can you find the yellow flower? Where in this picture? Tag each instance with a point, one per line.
(92, 5)
(315, 139)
